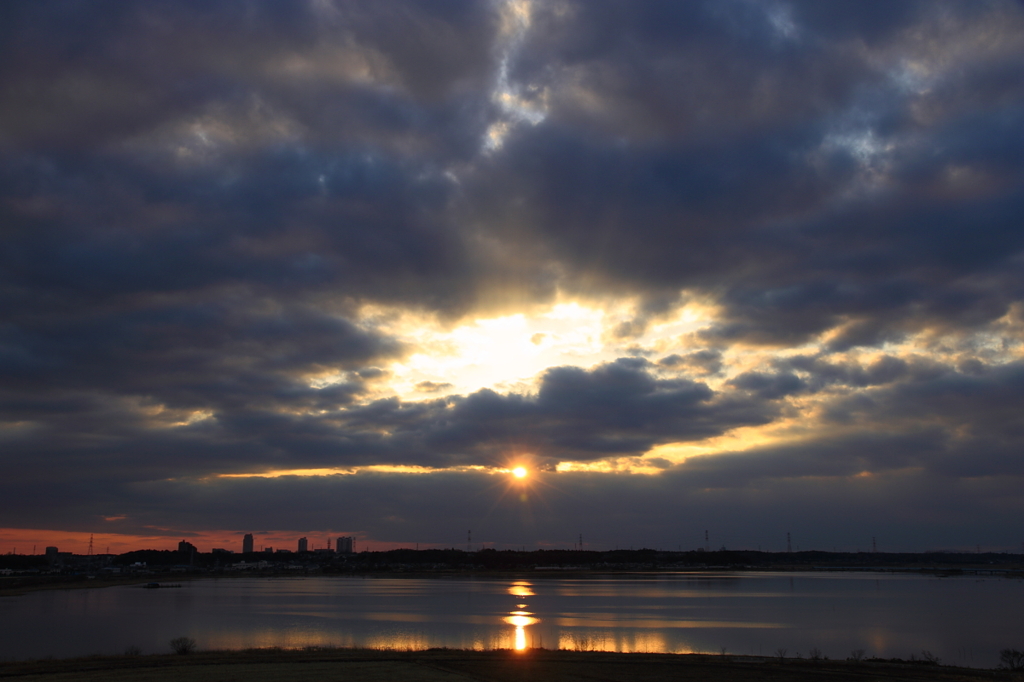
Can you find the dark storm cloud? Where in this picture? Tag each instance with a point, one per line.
(822, 372)
(198, 198)
(699, 362)
(768, 386)
(617, 409)
(161, 148)
(941, 455)
(194, 200)
(79, 74)
(303, 224)
(780, 158)
(933, 419)
(978, 412)
(694, 70)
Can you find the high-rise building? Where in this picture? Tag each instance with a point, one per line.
(344, 545)
(303, 545)
(186, 547)
(247, 543)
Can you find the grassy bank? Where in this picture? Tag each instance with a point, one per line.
(367, 665)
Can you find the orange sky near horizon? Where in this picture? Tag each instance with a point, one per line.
(23, 540)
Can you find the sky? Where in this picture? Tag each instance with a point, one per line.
(323, 268)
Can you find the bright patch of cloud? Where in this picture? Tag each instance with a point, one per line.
(517, 103)
(506, 352)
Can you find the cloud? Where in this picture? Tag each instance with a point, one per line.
(768, 386)
(617, 409)
(218, 218)
(706, 361)
(432, 386)
(809, 205)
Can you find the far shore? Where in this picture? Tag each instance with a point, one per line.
(18, 585)
(448, 665)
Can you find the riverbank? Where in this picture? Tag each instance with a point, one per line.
(444, 665)
(14, 586)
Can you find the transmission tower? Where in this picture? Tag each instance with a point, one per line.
(581, 542)
(90, 544)
(469, 541)
(707, 543)
(874, 546)
(789, 543)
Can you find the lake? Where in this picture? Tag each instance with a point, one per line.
(962, 620)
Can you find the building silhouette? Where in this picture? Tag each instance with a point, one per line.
(303, 545)
(344, 545)
(247, 543)
(186, 547)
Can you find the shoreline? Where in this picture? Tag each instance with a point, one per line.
(84, 583)
(441, 665)
(29, 585)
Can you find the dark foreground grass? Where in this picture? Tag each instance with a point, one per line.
(538, 665)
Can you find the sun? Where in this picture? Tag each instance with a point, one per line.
(519, 472)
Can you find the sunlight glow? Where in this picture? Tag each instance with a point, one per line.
(377, 468)
(520, 620)
(521, 588)
(511, 352)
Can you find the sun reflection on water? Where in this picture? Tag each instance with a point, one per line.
(520, 618)
(521, 588)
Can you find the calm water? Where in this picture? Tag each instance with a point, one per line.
(962, 620)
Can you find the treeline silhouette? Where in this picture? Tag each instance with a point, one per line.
(552, 559)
